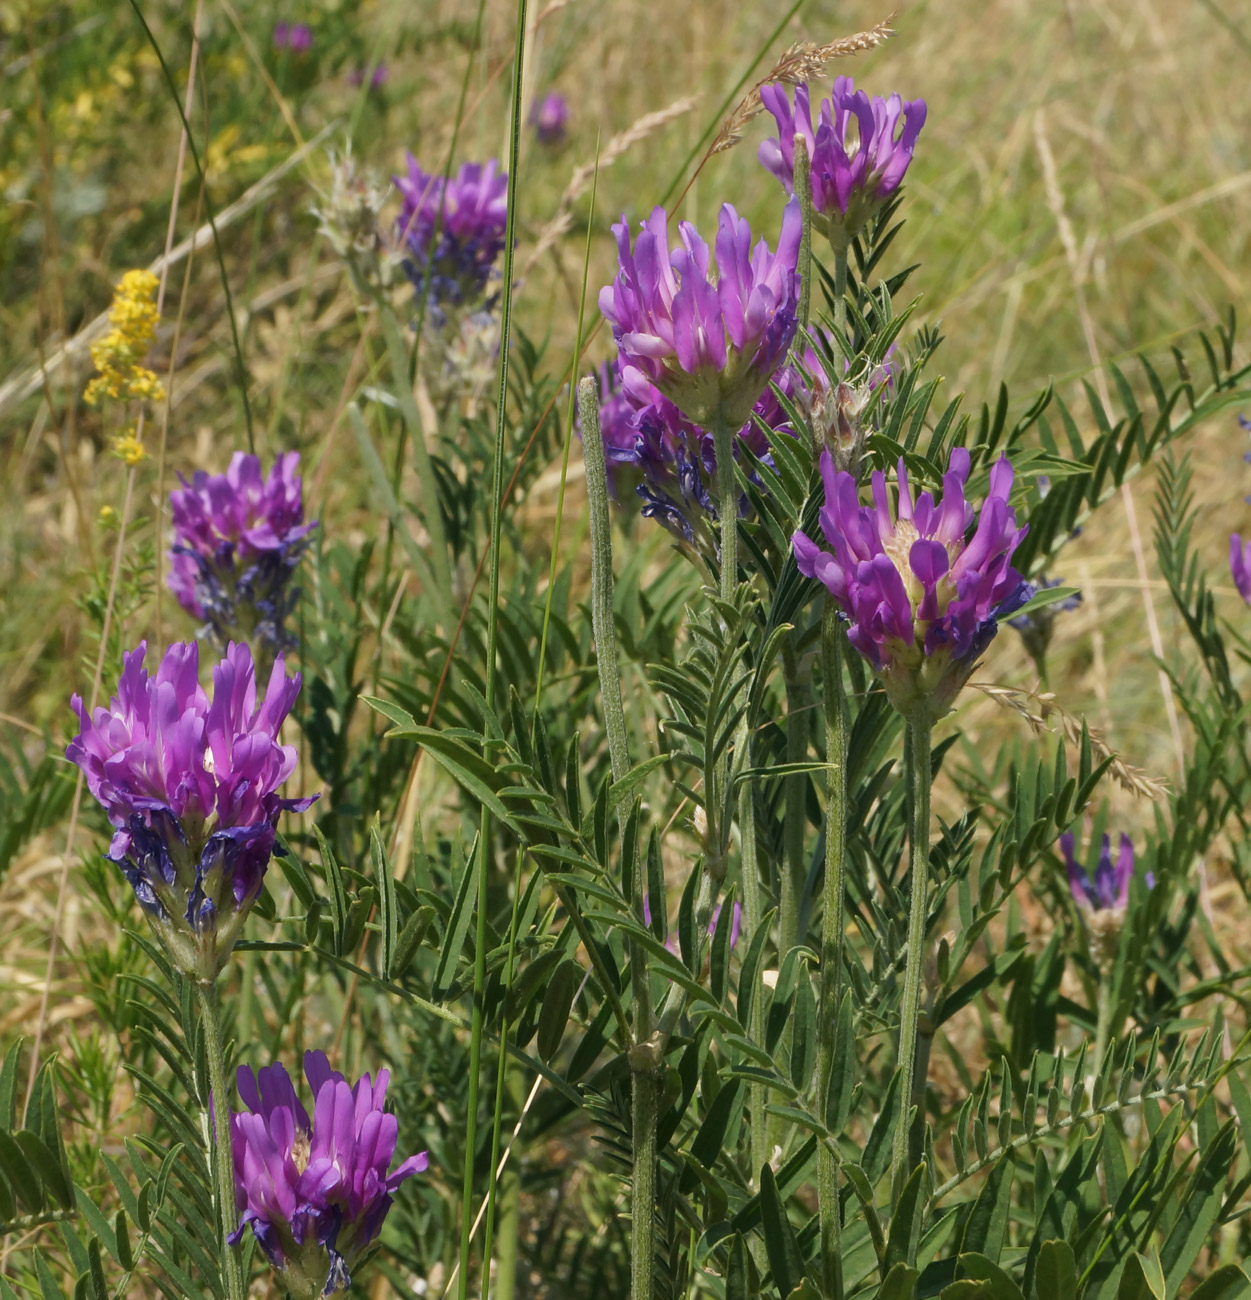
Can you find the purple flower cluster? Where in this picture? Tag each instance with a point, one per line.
(709, 346)
(190, 785)
(293, 36)
(315, 1192)
(238, 538)
(670, 462)
(858, 152)
(550, 118)
(1240, 566)
(922, 596)
(453, 230)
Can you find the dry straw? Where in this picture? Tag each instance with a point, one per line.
(801, 62)
(1024, 704)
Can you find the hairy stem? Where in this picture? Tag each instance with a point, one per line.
(910, 1009)
(803, 191)
(642, 1063)
(727, 501)
(832, 926)
(794, 861)
(219, 1136)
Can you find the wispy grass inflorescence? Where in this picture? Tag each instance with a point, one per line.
(803, 61)
(1037, 707)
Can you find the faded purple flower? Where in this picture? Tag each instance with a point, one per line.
(1240, 566)
(238, 538)
(709, 346)
(671, 942)
(858, 153)
(454, 231)
(377, 78)
(550, 118)
(314, 1192)
(293, 36)
(922, 596)
(1103, 900)
(190, 785)
(1036, 628)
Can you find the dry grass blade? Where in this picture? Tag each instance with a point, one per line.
(1036, 708)
(801, 62)
(620, 144)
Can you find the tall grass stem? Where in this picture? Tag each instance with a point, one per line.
(492, 642)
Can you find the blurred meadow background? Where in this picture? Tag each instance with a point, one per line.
(1083, 193)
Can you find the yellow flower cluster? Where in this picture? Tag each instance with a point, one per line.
(118, 355)
(129, 447)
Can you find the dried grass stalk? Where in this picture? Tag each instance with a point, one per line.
(1035, 708)
(582, 176)
(802, 62)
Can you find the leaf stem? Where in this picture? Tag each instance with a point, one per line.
(727, 502)
(919, 777)
(832, 926)
(219, 1135)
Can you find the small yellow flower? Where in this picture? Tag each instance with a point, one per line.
(108, 517)
(129, 448)
(118, 355)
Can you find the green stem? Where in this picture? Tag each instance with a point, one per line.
(727, 502)
(432, 515)
(803, 190)
(840, 300)
(910, 1009)
(794, 859)
(643, 1209)
(1103, 1026)
(602, 579)
(219, 1136)
(757, 1092)
(492, 642)
(832, 927)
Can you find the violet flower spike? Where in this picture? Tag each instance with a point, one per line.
(1240, 566)
(238, 539)
(858, 152)
(454, 231)
(922, 592)
(190, 785)
(315, 1192)
(710, 346)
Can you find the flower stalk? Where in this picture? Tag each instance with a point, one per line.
(832, 926)
(919, 779)
(217, 1135)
